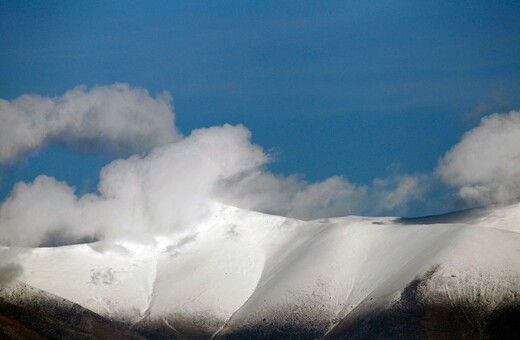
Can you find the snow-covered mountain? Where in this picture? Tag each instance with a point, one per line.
(247, 274)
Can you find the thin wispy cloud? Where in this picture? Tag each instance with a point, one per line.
(499, 101)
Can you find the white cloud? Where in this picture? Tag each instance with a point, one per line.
(114, 118)
(485, 165)
(395, 192)
(168, 189)
(335, 196)
(172, 188)
(291, 196)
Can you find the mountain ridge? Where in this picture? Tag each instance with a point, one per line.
(240, 272)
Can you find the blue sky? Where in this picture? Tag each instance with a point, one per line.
(351, 88)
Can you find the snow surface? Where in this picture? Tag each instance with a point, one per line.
(240, 268)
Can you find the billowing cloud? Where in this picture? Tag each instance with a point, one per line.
(169, 188)
(485, 165)
(174, 186)
(114, 118)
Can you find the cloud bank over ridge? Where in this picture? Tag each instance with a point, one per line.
(172, 188)
(173, 181)
(167, 189)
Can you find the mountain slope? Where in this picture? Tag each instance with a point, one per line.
(243, 273)
(30, 313)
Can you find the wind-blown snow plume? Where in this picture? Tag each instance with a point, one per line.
(485, 165)
(168, 189)
(113, 118)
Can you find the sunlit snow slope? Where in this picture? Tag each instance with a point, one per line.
(240, 269)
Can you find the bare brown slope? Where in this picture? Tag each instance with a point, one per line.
(23, 323)
(413, 318)
(29, 313)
